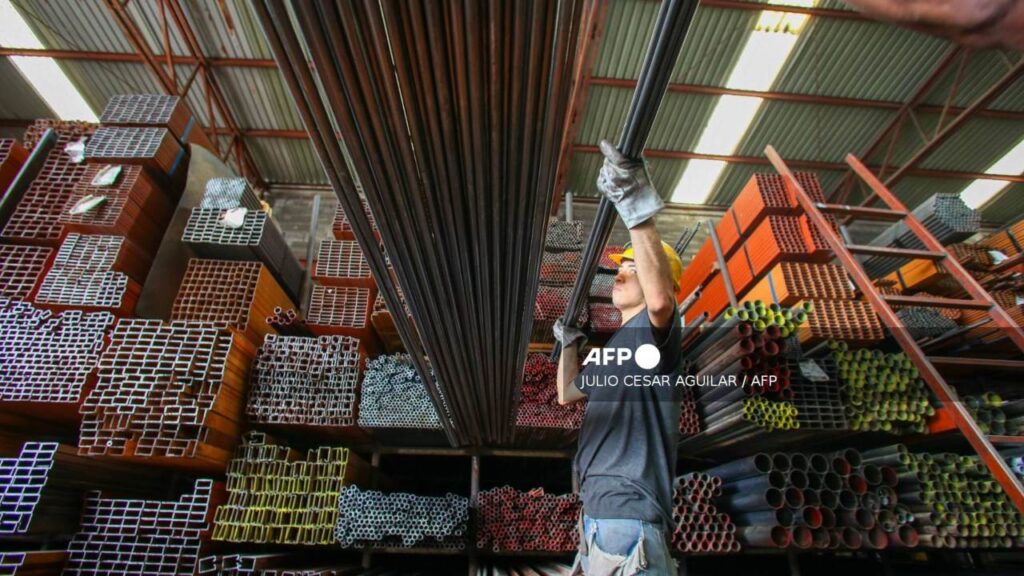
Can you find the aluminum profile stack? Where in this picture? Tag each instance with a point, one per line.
(32, 562)
(952, 499)
(882, 391)
(135, 207)
(168, 394)
(21, 269)
(834, 501)
(41, 496)
(152, 537)
(95, 272)
(540, 419)
(258, 238)
(12, 156)
(168, 111)
(154, 148)
(341, 263)
(277, 496)
(342, 310)
(226, 293)
(699, 526)
(36, 220)
(393, 396)
(46, 359)
(276, 564)
(945, 216)
(401, 519)
(305, 382)
(512, 521)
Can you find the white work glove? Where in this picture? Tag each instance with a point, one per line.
(628, 185)
(568, 336)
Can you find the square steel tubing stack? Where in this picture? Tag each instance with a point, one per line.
(94, 272)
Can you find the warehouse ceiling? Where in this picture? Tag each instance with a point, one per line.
(844, 80)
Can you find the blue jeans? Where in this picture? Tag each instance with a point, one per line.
(639, 547)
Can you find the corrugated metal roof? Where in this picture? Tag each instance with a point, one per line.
(1007, 206)
(984, 68)
(975, 146)
(284, 160)
(811, 131)
(680, 120)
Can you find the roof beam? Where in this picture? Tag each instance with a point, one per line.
(802, 98)
(135, 57)
(758, 7)
(804, 164)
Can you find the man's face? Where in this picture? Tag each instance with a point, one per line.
(626, 292)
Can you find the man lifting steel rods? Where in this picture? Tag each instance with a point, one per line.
(627, 447)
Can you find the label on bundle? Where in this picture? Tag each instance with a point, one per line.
(107, 176)
(997, 256)
(810, 370)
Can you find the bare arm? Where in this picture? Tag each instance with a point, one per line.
(568, 369)
(653, 273)
(972, 22)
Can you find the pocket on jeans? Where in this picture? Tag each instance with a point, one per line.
(618, 537)
(616, 549)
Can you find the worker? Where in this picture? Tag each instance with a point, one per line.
(626, 456)
(974, 23)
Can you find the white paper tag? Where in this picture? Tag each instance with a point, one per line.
(107, 176)
(76, 150)
(87, 204)
(810, 370)
(997, 256)
(233, 218)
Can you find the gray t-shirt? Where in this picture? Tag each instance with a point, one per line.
(626, 457)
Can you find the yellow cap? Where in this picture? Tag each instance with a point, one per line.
(675, 264)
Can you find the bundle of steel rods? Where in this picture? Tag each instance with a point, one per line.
(700, 527)
(277, 564)
(466, 211)
(564, 236)
(287, 323)
(559, 267)
(168, 394)
(538, 399)
(882, 391)
(305, 381)
(133, 205)
(121, 536)
(952, 499)
(275, 495)
(549, 306)
(669, 32)
(945, 216)
(924, 322)
(229, 294)
(822, 500)
(373, 517)
(44, 485)
(48, 358)
(995, 415)
(96, 273)
(512, 521)
(393, 395)
(36, 219)
(21, 269)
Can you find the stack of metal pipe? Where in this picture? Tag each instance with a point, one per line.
(275, 495)
(700, 527)
(952, 499)
(924, 322)
(305, 381)
(123, 536)
(560, 263)
(605, 318)
(458, 147)
(48, 358)
(393, 396)
(882, 391)
(538, 400)
(509, 520)
(400, 519)
(944, 215)
(288, 322)
(822, 500)
(995, 415)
